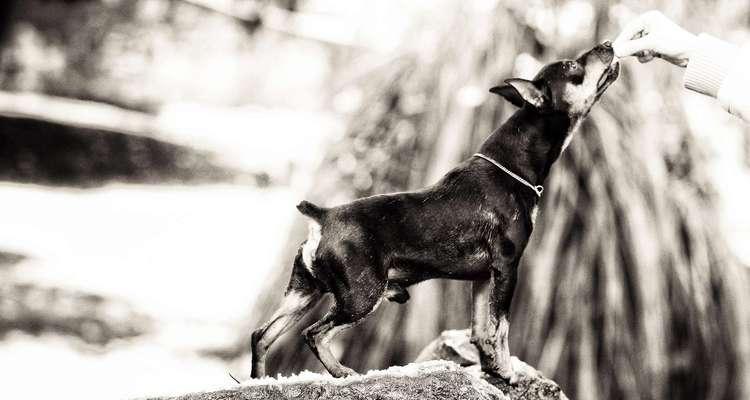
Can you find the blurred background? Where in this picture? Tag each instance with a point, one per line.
(152, 152)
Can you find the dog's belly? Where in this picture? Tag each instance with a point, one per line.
(473, 265)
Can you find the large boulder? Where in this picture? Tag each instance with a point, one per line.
(446, 369)
(437, 379)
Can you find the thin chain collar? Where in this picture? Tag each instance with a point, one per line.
(538, 189)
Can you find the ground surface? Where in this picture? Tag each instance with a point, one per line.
(427, 380)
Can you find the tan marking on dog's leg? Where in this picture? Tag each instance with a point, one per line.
(319, 336)
(502, 350)
(483, 326)
(480, 291)
(292, 308)
(490, 326)
(501, 292)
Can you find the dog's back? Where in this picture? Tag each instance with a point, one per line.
(444, 231)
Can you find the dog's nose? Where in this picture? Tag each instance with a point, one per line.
(607, 43)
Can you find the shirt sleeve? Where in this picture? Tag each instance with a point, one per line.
(718, 69)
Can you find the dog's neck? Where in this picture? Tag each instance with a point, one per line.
(529, 142)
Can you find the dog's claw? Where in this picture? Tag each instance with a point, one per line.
(513, 379)
(344, 372)
(509, 376)
(396, 293)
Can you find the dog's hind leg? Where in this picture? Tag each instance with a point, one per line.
(318, 337)
(320, 334)
(293, 307)
(351, 307)
(300, 297)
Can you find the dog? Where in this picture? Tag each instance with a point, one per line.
(472, 225)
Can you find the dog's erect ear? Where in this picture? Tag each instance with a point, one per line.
(520, 91)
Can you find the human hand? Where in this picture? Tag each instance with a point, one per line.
(654, 35)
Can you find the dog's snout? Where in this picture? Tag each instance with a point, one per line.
(604, 52)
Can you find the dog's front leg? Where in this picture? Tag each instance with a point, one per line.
(480, 337)
(490, 324)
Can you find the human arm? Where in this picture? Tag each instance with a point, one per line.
(713, 67)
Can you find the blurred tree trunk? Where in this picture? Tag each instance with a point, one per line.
(627, 290)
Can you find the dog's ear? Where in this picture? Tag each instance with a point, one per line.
(519, 91)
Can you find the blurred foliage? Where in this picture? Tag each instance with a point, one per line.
(9, 259)
(93, 319)
(140, 54)
(43, 152)
(627, 290)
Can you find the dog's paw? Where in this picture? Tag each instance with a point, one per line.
(343, 372)
(506, 374)
(521, 369)
(513, 378)
(257, 370)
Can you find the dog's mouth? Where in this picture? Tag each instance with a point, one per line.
(608, 76)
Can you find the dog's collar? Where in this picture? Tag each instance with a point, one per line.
(538, 189)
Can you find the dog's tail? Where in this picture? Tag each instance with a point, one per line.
(311, 210)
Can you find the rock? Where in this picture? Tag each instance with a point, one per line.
(436, 379)
(429, 378)
(456, 346)
(426, 380)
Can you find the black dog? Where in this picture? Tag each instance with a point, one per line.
(472, 225)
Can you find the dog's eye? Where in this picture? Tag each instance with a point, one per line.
(575, 72)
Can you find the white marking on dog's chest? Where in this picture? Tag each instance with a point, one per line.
(534, 212)
(311, 245)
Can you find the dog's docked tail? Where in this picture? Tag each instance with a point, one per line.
(311, 210)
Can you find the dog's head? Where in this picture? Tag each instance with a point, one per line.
(567, 86)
